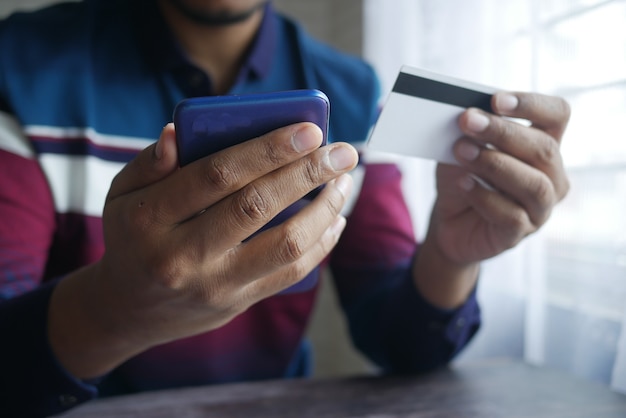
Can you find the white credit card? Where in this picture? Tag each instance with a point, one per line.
(420, 115)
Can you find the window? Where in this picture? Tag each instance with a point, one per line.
(576, 49)
(580, 50)
(560, 300)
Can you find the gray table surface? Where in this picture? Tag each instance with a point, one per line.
(494, 388)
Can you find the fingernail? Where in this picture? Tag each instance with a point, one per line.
(467, 183)
(477, 122)
(343, 184)
(306, 139)
(506, 102)
(468, 151)
(158, 150)
(341, 158)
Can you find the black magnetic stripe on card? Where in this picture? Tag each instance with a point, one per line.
(425, 88)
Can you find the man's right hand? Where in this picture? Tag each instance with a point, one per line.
(176, 263)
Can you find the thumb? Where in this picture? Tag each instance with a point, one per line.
(152, 164)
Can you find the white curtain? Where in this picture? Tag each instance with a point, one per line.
(559, 299)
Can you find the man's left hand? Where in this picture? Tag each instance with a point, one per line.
(522, 166)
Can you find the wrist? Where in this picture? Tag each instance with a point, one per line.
(442, 281)
(81, 337)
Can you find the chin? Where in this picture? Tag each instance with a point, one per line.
(219, 8)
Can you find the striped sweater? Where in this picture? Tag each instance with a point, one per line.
(85, 86)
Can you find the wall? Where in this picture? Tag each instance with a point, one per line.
(338, 23)
(7, 6)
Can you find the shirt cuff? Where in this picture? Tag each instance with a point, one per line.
(33, 381)
(458, 325)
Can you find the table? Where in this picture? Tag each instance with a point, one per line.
(494, 388)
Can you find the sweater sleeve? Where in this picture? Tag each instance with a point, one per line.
(32, 382)
(388, 319)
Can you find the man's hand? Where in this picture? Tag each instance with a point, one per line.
(176, 263)
(523, 169)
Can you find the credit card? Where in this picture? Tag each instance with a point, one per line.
(419, 118)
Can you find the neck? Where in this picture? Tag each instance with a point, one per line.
(218, 50)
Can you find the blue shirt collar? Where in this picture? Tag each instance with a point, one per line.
(163, 51)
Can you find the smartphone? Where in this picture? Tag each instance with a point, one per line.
(205, 125)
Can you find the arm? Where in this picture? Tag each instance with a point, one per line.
(32, 380)
(419, 314)
(390, 321)
(177, 260)
(176, 263)
(470, 222)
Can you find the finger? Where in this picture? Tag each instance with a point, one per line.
(206, 181)
(152, 164)
(509, 221)
(528, 187)
(245, 212)
(291, 274)
(449, 174)
(293, 248)
(244, 296)
(547, 113)
(527, 144)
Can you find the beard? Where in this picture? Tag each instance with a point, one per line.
(215, 18)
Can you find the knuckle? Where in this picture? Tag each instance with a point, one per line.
(542, 191)
(515, 222)
(495, 164)
(168, 272)
(544, 197)
(548, 152)
(313, 172)
(292, 246)
(531, 100)
(273, 154)
(219, 175)
(518, 226)
(508, 131)
(334, 205)
(251, 206)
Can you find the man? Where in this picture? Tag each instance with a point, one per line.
(161, 288)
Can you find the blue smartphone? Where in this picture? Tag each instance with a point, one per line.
(205, 125)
